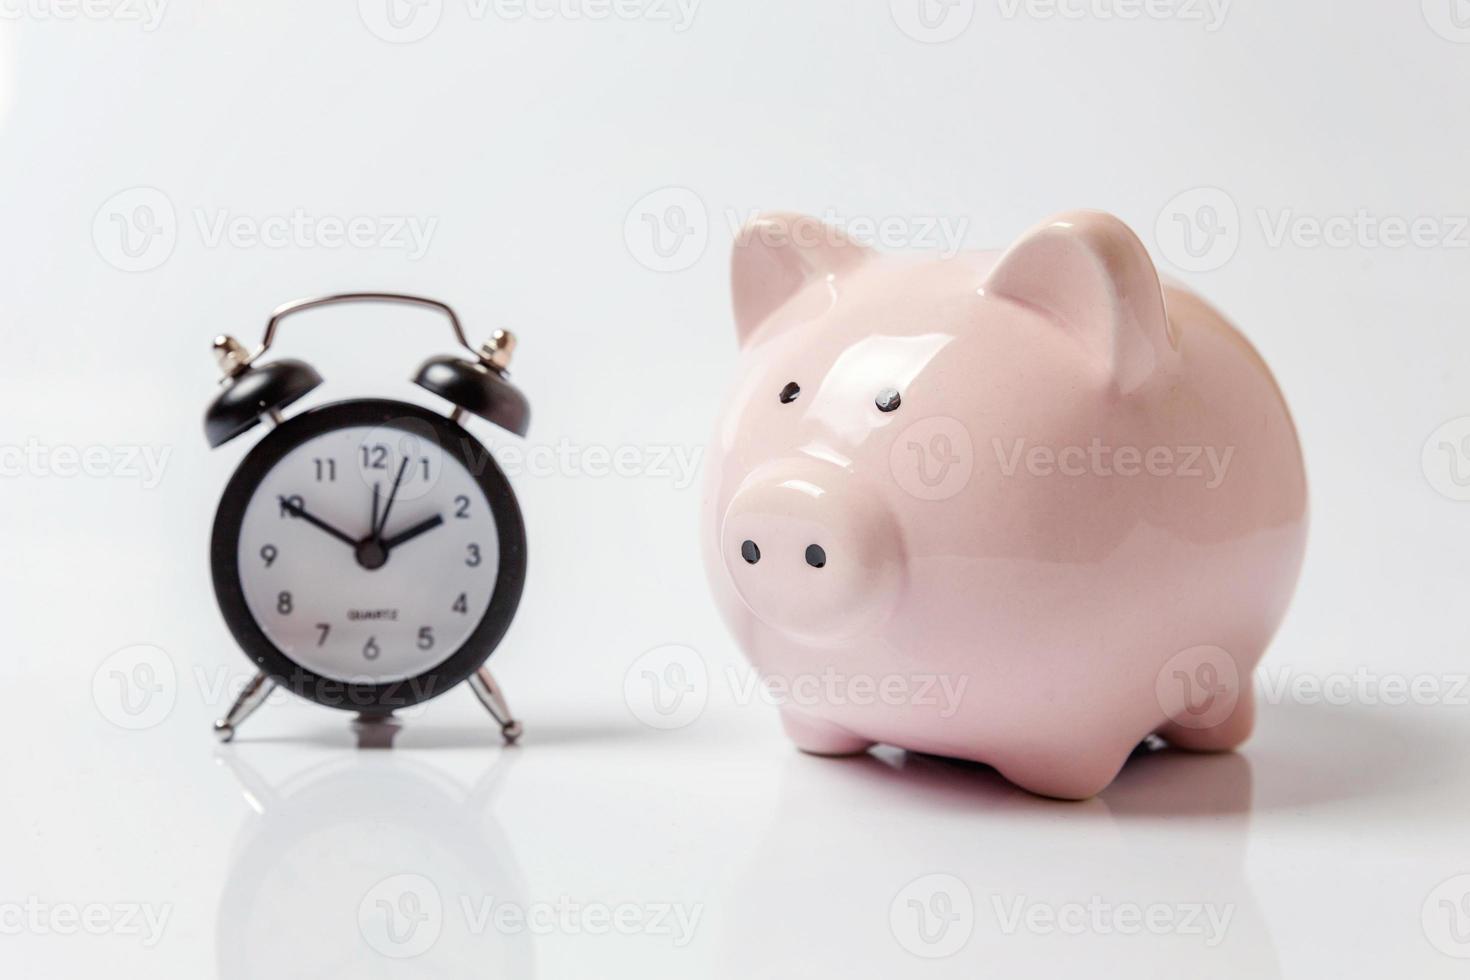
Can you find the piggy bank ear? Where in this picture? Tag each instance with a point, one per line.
(776, 255)
(1091, 274)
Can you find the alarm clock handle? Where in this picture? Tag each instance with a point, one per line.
(301, 305)
(494, 701)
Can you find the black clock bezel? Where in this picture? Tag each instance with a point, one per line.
(368, 698)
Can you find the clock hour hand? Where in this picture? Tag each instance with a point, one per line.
(421, 527)
(296, 510)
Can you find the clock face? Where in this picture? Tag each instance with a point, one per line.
(366, 545)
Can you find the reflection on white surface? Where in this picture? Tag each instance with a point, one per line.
(369, 865)
(302, 855)
(982, 879)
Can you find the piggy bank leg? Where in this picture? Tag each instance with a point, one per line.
(1066, 772)
(821, 737)
(1218, 736)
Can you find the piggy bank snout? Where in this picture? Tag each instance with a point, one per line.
(809, 551)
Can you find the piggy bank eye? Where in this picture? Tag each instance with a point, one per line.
(888, 400)
(789, 393)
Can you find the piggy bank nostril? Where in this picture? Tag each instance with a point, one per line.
(815, 556)
(750, 552)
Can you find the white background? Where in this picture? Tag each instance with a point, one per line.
(1332, 842)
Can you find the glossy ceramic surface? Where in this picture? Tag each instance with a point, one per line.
(1080, 525)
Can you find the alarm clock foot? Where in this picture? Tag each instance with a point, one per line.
(376, 731)
(252, 697)
(494, 701)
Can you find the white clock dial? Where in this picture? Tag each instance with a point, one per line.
(352, 604)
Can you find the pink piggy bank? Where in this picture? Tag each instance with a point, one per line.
(1021, 508)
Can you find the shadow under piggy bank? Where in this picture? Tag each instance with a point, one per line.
(371, 865)
(891, 859)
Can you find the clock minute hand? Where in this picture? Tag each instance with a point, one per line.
(413, 532)
(392, 495)
(296, 510)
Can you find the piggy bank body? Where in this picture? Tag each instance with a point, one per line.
(1021, 508)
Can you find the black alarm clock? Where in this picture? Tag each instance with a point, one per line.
(369, 554)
